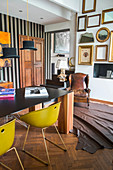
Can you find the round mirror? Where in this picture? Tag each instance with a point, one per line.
(102, 34)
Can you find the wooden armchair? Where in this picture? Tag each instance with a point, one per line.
(79, 84)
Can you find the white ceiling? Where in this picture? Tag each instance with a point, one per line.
(50, 12)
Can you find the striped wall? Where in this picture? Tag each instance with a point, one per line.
(18, 26)
(48, 55)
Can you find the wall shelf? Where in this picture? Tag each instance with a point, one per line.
(100, 70)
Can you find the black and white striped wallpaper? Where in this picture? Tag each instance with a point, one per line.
(18, 26)
(48, 55)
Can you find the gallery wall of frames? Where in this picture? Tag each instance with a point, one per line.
(95, 45)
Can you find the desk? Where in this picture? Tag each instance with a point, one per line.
(65, 120)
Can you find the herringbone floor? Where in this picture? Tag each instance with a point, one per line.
(60, 160)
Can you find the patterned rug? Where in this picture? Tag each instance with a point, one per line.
(93, 126)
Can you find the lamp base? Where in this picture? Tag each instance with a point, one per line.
(62, 76)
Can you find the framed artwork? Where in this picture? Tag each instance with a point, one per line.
(111, 48)
(93, 21)
(102, 34)
(107, 16)
(82, 23)
(5, 41)
(85, 55)
(86, 38)
(62, 42)
(88, 6)
(101, 53)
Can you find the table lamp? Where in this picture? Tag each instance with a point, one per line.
(62, 64)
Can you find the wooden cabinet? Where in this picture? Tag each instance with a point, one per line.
(7, 84)
(31, 63)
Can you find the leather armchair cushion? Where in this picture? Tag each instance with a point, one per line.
(80, 93)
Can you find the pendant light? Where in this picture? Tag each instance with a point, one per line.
(9, 52)
(28, 45)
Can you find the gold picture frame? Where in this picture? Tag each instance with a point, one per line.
(101, 53)
(103, 34)
(107, 16)
(91, 9)
(111, 48)
(85, 55)
(82, 23)
(93, 20)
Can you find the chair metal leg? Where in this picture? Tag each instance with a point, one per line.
(64, 149)
(30, 154)
(5, 166)
(26, 137)
(17, 157)
(20, 122)
(45, 145)
(60, 138)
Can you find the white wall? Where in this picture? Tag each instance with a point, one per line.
(69, 4)
(100, 88)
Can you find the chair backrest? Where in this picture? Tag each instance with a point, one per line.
(43, 117)
(7, 133)
(79, 81)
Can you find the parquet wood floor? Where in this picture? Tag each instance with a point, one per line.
(60, 160)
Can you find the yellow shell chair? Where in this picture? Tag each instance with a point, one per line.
(7, 133)
(42, 119)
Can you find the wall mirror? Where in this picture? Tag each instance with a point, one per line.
(107, 16)
(103, 34)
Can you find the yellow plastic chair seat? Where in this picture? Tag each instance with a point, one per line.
(7, 133)
(42, 118)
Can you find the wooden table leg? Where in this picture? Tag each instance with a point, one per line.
(65, 119)
(36, 107)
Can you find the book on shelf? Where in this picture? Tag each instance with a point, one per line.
(36, 91)
(4, 93)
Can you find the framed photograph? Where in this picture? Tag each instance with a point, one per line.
(93, 21)
(101, 53)
(107, 16)
(62, 42)
(82, 23)
(85, 55)
(111, 48)
(88, 6)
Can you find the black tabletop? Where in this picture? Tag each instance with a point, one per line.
(20, 102)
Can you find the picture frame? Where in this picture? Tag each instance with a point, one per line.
(85, 56)
(86, 37)
(101, 52)
(103, 34)
(107, 16)
(82, 23)
(111, 48)
(88, 6)
(93, 20)
(62, 42)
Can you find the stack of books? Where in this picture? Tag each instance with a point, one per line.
(7, 93)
